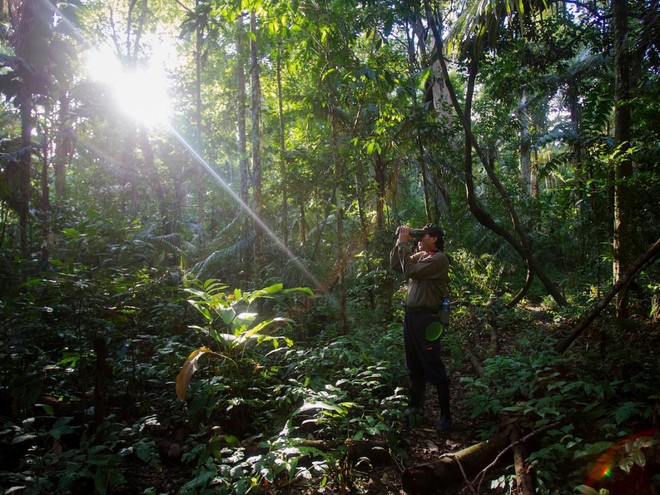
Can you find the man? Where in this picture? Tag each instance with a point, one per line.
(426, 272)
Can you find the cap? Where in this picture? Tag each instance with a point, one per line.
(434, 230)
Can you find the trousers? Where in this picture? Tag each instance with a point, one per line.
(423, 357)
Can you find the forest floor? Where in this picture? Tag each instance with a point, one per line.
(419, 444)
(426, 444)
(422, 444)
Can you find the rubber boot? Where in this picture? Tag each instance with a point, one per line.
(444, 419)
(415, 409)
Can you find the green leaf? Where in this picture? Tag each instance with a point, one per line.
(73, 233)
(61, 427)
(318, 405)
(586, 490)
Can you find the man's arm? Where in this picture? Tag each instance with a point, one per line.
(430, 267)
(398, 257)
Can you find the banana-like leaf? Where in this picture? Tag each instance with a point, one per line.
(187, 371)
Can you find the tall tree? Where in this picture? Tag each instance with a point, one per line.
(241, 105)
(29, 35)
(623, 167)
(257, 174)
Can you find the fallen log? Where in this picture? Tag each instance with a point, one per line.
(450, 469)
(470, 465)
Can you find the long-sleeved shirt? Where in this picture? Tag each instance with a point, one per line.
(427, 276)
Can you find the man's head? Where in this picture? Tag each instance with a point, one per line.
(434, 230)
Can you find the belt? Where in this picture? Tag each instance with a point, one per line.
(427, 311)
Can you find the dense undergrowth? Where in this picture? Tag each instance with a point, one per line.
(273, 399)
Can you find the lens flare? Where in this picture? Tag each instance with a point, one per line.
(604, 466)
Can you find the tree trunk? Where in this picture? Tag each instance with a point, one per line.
(380, 175)
(24, 171)
(283, 178)
(31, 39)
(242, 135)
(524, 480)
(454, 468)
(623, 168)
(525, 144)
(64, 146)
(340, 225)
(198, 174)
(45, 194)
(256, 144)
(153, 177)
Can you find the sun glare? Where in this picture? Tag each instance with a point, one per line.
(140, 93)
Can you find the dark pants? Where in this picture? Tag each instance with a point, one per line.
(423, 357)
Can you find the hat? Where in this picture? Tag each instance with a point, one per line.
(434, 230)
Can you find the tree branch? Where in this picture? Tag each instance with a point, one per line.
(623, 282)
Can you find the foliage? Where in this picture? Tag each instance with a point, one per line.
(567, 395)
(123, 247)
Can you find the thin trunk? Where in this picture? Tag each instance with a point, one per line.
(256, 143)
(24, 172)
(535, 176)
(340, 225)
(624, 280)
(199, 141)
(153, 177)
(64, 146)
(242, 135)
(364, 223)
(380, 171)
(303, 224)
(623, 167)
(45, 195)
(283, 178)
(30, 39)
(525, 144)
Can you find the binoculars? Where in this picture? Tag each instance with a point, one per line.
(414, 233)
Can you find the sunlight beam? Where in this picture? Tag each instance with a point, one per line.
(247, 209)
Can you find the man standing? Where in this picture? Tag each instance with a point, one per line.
(426, 272)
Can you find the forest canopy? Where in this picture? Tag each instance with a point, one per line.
(198, 199)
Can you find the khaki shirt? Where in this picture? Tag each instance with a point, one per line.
(427, 276)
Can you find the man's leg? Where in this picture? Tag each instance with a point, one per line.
(444, 418)
(415, 369)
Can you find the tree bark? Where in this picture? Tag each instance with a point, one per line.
(45, 194)
(524, 480)
(525, 143)
(152, 174)
(242, 134)
(24, 171)
(283, 166)
(198, 175)
(623, 168)
(339, 208)
(450, 469)
(256, 144)
(64, 146)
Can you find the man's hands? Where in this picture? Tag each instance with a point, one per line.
(404, 234)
